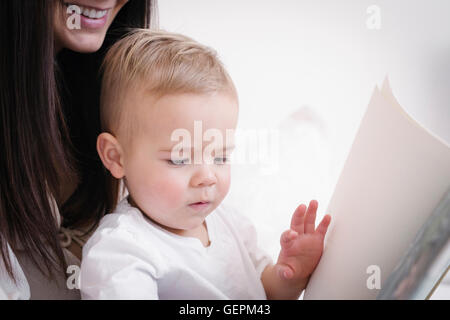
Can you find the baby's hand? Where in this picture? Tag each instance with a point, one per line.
(301, 245)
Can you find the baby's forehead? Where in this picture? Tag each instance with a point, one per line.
(177, 114)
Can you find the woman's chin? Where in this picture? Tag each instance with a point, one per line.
(84, 43)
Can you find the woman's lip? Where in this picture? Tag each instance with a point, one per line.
(89, 23)
(85, 6)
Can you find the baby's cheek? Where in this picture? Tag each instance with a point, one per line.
(154, 190)
(225, 180)
(169, 191)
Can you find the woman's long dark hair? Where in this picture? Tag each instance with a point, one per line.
(49, 118)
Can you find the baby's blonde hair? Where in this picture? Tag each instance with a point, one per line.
(160, 63)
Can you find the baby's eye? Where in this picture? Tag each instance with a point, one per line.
(178, 162)
(221, 160)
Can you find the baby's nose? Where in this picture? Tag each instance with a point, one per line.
(204, 177)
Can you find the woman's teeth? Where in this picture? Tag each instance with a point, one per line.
(91, 13)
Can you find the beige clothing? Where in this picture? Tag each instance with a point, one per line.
(41, 288)
(33, 284)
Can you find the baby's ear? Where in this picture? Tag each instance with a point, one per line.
(111, 154)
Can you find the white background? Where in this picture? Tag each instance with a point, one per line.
(307, 69)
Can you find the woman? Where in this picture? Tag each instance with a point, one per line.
(50, 173)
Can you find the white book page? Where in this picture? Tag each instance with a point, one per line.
(394, 176)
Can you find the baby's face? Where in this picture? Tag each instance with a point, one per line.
(162, 184)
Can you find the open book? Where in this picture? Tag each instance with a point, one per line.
(394, 178)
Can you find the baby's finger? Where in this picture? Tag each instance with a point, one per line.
(323, 226)
(298, 219)
(287, 237)
(310, 216)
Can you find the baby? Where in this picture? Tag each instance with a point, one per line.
(163, 96)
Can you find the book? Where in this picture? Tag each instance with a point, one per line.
(395, 175)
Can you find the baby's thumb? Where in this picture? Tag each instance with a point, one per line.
(284, 271)
(287, 237)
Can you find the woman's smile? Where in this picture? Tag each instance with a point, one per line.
(81, 25)
(91, 16)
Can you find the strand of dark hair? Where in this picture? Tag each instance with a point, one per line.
(30, 140)
(49, 124)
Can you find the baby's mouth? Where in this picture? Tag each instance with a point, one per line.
(201, 205)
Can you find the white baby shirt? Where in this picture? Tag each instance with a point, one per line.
(131, 257)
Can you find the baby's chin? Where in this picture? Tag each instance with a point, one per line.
(190, 221)
(85, 42)
(183, 219)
